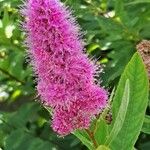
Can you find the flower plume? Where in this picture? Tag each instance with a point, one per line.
(65, 75)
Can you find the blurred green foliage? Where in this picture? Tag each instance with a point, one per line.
(112, 30)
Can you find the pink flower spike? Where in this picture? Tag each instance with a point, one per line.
(65, 75)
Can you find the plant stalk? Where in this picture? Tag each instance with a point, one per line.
(91, 135)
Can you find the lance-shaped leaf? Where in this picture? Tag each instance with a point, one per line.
(133, 121)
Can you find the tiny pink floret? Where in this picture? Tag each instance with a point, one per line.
(65, 75)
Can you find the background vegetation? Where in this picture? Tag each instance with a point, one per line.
(112, 30)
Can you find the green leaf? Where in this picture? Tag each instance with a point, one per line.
(137, 75)
(5, 19)
(110, 26)
(122, 50)
(138, 2)
(20, 140)
(27, 112)
(146, 125)
(101, 131)
(120, 118)
(84, 139)
(121, 13)
(92, 47)
(119, 7)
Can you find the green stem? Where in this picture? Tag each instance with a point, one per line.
(91, 135)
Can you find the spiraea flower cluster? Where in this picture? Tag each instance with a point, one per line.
(65, 75)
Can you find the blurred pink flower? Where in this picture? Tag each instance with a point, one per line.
(65, 75)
